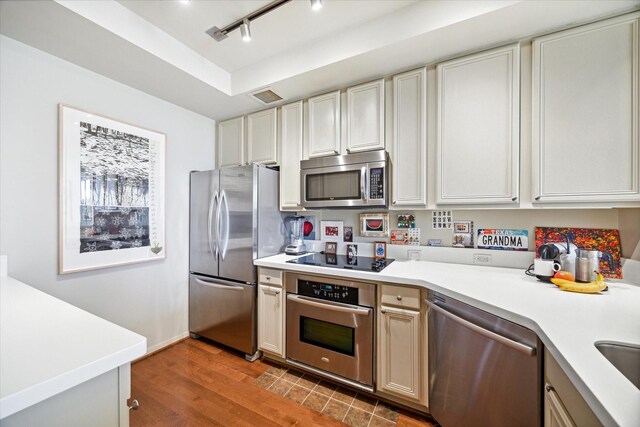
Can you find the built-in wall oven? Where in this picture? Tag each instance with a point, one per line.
(349, 181)
(330, 328)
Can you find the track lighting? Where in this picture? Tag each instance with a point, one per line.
(245, 31)
(316, 5)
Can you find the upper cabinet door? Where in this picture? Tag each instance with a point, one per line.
(365, 117)
(409, 150)
(324, 125)
(262, 137)
(478, 126)
(291, 150)
(231, 142)
(585, 113)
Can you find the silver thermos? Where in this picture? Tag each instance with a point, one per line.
(587, 265)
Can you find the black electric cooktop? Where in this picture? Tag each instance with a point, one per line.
(342, 261)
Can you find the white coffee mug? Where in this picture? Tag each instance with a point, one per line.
(544, 269)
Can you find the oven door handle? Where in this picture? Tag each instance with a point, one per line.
(522, 348)
(329, 306)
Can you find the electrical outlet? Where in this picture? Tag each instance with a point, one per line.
(414, 255)
(482, 259)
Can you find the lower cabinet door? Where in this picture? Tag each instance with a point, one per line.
(555, 415)
(399, 352)
(270, 320)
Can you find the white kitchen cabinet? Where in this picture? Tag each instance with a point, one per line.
(262, 137)
(99, 401)
(399, 344)
(271, 312)
(478, 142)
(555, 414)
(324, 125)
(365, 117)
(291, 155)
(563, 404)
(585, 113)
(231, 142)
(409, 149)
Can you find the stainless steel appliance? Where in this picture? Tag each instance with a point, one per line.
(296, 246)
(587, 265)
(483, 369)
(343, 261)
(357, 180)
(330, 328)
(235, 219)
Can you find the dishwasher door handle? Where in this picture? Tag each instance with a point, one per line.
(522, 348)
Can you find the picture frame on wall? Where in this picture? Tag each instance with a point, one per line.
(330, 248)
(379, 250)
(374, 225)
(111, 192)
(331, 231)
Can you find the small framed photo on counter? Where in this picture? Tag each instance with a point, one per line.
(379, 250)
(330, 248)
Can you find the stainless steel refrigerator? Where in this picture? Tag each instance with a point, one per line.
(235, 218)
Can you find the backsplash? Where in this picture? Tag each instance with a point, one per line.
(525, 219)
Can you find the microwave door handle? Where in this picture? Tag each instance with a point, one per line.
(364, 187)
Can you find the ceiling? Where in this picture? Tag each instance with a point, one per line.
(161, 48)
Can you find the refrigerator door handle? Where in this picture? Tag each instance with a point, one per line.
(213, 234)
(220, 284)
(225, 223)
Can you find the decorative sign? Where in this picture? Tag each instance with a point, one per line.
(331, 231)
(399, 237)
(112, 193)
(441, 220)
(374, 225)
(498, 238)
(406, 221)
(414, 236)
(434, 242)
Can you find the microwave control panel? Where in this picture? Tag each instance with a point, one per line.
(376, 183)
(345, 294)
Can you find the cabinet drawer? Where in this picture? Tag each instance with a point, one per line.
(270, 277)
(401, 296)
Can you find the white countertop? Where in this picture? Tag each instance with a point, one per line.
(567, 323)
(48, 346)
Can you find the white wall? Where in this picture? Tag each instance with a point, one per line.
(149, 298)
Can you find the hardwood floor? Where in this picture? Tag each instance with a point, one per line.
(195, 383)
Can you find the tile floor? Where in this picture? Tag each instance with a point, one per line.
(352, 408)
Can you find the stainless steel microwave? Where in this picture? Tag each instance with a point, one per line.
(358, 180)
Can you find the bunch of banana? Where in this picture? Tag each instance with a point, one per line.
(586, 288)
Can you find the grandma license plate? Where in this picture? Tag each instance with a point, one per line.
(498, 238)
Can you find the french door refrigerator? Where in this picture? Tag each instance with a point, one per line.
(235, 219)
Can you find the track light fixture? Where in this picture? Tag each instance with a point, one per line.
(244, 23)
(245, 31)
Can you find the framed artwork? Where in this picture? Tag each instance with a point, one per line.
(348, 234)
(111, 192)
(462, 234)
(406, 221)
(399, 237)
(379, 250)
(352, 251)
(330, 248)
(374, 225)
(331, 231)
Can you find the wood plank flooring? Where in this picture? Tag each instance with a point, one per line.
(196, 383)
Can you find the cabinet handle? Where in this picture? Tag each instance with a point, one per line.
(399, 297)
(395, 201)
(298, 204)
(134, 405)
(268, 277)
(513, 199)
(548, 388)
(383, 311)
(348, 150)
(537, 198)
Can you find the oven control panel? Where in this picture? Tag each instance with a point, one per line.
(345, 294)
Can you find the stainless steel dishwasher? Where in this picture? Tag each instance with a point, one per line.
(483, 370)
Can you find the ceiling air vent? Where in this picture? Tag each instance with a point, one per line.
(266, 96)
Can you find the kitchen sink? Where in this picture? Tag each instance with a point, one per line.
(625, 357)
